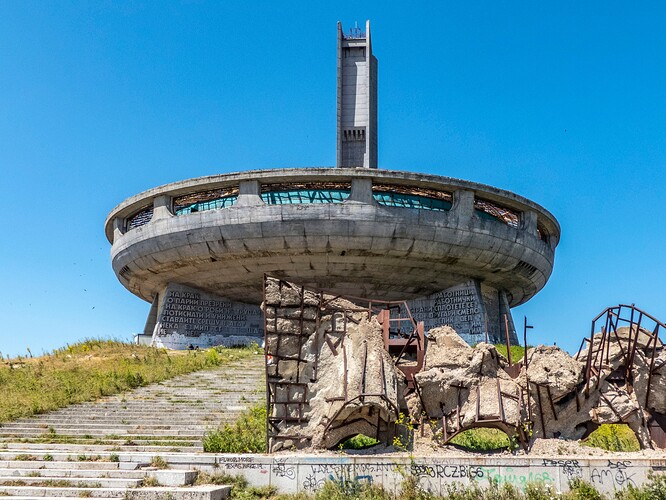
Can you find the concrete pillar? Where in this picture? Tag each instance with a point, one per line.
(249, 194)
(463, 206)
(528, 222)
(118, 228)
(151, 320)
(162, 207)
(361, 191)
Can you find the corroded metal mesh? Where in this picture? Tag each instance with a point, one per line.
(202, 196)
(140, 218)
(306, 186)
(504, 214)
(413, 191)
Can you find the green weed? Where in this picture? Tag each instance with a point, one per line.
(159, 462)
(246, 435)
(613, 437)
(655, 488)
(517, 351)
(358, 442)
(482, 439)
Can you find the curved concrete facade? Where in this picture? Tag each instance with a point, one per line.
(357, 247)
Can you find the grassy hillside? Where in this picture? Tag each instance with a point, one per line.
(94, 368)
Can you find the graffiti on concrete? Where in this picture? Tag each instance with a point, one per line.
(615, 474)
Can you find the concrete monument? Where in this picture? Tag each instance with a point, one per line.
(462, 253)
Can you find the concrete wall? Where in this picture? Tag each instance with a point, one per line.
(293, 473)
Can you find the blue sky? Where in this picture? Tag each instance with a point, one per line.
(562, 102)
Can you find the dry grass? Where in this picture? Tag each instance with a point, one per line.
(94, 368)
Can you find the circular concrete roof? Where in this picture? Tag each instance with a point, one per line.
(397, 235)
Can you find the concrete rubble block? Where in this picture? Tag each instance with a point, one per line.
(441, 389)
(658, 385)
(615, 405)
(623, 334)
(374, 388)
(551, 366)
(446, 348)
(174, 477)
(295, 326)
(269, 311)
(307, 313)
(453, 370)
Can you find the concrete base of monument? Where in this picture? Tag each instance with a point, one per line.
(183, 317)
(476, 311)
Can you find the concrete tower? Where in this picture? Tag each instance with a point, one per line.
(357, 99)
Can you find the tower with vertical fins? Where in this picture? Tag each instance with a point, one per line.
(357, 99)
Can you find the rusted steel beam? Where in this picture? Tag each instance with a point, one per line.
(543, 424)
(508, 340)
(500, 401)
(604, 340)
(478, 403)
(344, 367)
(525, 328)
(580, 349)
(588, 370)
(550, 399)
(365, 366)
(651, 371)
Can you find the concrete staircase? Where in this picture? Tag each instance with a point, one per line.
(116, 447)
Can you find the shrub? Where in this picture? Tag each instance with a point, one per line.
(582, 490)
(358, 442)
(654, 488)
(613, 437)
(482, 439)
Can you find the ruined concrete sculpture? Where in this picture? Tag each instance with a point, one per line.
(328, 374)
(615, 379)
(336, 368)
(463, 387)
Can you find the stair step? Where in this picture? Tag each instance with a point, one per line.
(50, 464)
(90, 448)
(69, 472)
(14, 497)
(33, 492)
(83, 482)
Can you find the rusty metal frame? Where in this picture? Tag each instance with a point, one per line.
(597, 351)
(612, 318)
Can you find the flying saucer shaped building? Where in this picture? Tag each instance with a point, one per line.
(461, 253)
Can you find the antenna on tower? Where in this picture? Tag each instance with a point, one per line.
(356, 32)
